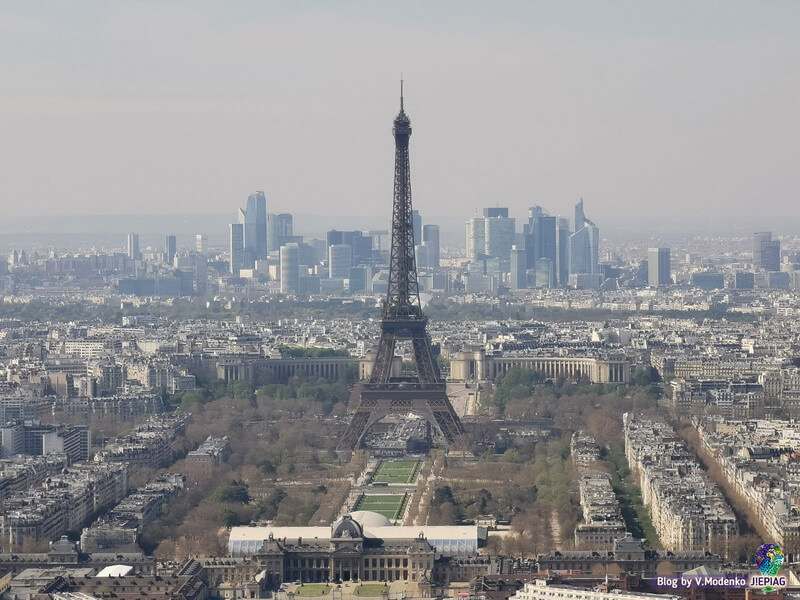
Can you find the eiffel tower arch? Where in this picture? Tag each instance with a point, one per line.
(402, 319)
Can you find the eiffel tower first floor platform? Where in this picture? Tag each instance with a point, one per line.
(376, 401)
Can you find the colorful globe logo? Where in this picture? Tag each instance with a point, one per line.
(769, 559)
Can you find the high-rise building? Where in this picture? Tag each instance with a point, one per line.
(490, 235)
(534, 213)
(334, 236)
(758, 239)
(766, 251)
(200, 243)
(580, 216)
(133, 246)
(658, 267)
(495, 212)
(416, 221)
(771, 255)
(380, 239)
(545, 273)
(170, 247)
(476, 238)
(362, 248)
(254, 218)
(318, 250)
(779, 280)
(340, 259)
(280, 230)
(583, 250)
(361, 244)
(561, 266)
(584, 244)
(290, 268)
(547, 238)
(200, 274)
(499, 236)
(519, 279)
(421, 256)
(236, 247)
(532, 232)
(430, 239)
(306, 255)
(743, 280)
(359, 276)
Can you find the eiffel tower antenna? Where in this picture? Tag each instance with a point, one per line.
(402, 319)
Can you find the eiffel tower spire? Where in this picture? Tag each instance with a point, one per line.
(402, 319)
(402, 299)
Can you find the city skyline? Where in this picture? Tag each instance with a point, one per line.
(548, 253)
(625, 105)
(244, 364)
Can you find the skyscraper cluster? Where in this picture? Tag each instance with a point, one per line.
(154, 271)
(263, 246)
(257, 234)
(550, 252)
(546, 254)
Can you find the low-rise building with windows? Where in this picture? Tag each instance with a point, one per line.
(361, 546)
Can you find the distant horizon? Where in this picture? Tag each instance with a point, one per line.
(724, 223)
(109, 230)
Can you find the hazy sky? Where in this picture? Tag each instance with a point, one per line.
(659, 109)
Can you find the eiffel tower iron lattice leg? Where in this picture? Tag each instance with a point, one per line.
(402, 319)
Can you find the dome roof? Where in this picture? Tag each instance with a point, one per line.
(368, 518)
(346, 527)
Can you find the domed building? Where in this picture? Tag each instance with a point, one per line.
(369, 518)
(360, 546)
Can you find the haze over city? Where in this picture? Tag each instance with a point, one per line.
(670, 117)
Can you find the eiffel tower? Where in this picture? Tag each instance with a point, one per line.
(402, 319)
